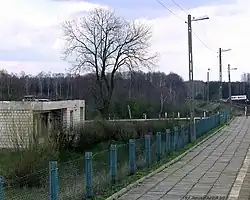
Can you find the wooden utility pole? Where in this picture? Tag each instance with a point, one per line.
(191, 72)
(191, 75)
(229, 86)
(220, 75)
(208, 85)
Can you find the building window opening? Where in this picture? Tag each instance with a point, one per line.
(71, 120)
(81, 114)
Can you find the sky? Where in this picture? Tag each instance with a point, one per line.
(30, 32)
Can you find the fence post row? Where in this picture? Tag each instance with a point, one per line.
(148, 149)
(88, 174)
(53, 180)
(113, 163)
(173, 140)
(131, 156)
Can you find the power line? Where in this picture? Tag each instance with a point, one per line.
(169, 10)
(183, 9)
(163, 5)
(204, 32)
(203, 42)
(178, 5)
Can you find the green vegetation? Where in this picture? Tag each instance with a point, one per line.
(141, 173)
(26, 173)
(116, 88)
(26, 170)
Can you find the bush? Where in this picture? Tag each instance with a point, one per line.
(102, 131)
(30, 167)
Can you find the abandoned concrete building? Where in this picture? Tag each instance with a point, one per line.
(19, 120)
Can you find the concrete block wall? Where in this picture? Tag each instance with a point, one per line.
(18, 122)
(16, 127)
(76, 115)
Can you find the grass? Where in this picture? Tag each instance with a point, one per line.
(141, 173)
(71, 173)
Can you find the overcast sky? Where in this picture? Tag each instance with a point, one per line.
(29, 31)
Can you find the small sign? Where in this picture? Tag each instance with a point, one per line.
(239, 97)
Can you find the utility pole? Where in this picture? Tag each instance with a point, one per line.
(208, 85)
(191, 75)
(220, 70)
(229, 85)
(220, 75)
(192, 135)
(229, 69)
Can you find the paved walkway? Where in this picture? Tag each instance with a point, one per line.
(214, 170)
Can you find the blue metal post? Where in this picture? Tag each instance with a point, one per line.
(168, 141)
(172, 140)
(222, 116)
(182, 136)
(194, 128)
(163, 143)
(88, 174)
(1, 188)
(207, 126)
(175, 138)
(179, 138)
(53, 175)
(186, 134)
(158, 147)
(228, 117)
(131, 156)
(148, 149)
(113, 163)
(201, 127)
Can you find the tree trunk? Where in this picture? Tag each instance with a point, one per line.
(162, 106)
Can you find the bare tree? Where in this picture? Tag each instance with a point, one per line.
(245, 77)
(158, 80)
(48, 80)
(104, 44)
(171, 88)
(164, 94)
(69, 86)
(41, 76)
(57, 84)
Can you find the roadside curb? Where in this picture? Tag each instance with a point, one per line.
(139, 181)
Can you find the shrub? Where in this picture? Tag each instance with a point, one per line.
(25, 161)
(102, 131)
(30, 168)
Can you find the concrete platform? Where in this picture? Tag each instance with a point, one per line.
(217, 169)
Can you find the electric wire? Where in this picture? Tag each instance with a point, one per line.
(178, 5)
(203, 43)
(163, 5)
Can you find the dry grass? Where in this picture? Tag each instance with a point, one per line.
(24, 158)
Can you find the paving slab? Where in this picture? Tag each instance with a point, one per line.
(245, 189)
(210, 171)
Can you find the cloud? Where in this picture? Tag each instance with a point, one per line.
(226, 28)
(29, 33)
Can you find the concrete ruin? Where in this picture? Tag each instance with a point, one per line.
(20, 120)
